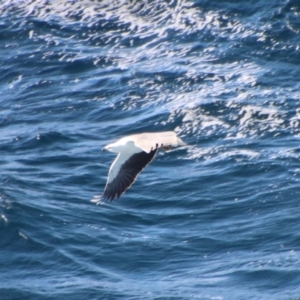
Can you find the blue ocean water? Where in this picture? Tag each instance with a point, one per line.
(217, 219)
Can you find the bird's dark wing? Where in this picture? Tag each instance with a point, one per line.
(127, 174)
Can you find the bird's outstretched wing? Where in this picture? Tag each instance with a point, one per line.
(124, 171)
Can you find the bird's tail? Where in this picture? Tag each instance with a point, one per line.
(180, 142)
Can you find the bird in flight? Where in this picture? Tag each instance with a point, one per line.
(135, 152)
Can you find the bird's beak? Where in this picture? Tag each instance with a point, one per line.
(107, 148)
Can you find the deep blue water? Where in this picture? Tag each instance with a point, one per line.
(217, 219)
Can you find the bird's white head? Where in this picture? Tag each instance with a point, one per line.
(114, 147)
(110, 148)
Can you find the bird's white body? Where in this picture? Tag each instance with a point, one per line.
(123, 145)
(145, 142)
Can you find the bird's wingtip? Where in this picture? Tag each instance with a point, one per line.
(97, 199)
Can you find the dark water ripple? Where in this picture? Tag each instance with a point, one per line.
(218, 219)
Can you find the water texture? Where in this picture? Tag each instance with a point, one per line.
(217, 219)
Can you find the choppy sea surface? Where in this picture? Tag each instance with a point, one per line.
(216, 219)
